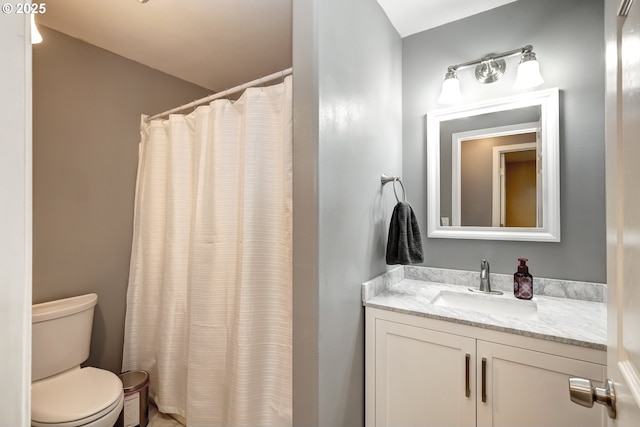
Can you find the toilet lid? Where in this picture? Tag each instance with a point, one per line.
(75, 395)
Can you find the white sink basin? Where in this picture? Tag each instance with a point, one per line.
(488, 304)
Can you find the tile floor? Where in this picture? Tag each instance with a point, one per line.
(157, 419)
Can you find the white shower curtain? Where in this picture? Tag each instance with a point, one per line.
(209, 298)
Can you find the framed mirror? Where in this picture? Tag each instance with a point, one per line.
(494, 169)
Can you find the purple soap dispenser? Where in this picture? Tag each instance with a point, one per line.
(523, 281)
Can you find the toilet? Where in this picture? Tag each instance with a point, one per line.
(62, 393)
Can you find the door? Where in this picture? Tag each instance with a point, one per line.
(514, 182)
(423, 377)
(623, 206)
(520, 195)
(524, 388)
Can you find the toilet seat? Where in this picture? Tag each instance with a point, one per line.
(75, 398)
(106, 418)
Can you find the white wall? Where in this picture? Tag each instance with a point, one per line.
(15, 221)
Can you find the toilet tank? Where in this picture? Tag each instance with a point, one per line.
(61, 334)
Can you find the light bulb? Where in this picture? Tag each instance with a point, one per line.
(450, 89)
(35, 34)
(528, 73)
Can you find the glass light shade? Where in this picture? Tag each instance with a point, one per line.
(450, 91)
(528, 75)
(35, 34)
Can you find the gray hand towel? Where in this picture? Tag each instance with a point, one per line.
(404, 245)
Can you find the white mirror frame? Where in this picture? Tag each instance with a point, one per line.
(548, 100)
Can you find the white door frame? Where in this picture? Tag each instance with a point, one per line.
(15, 221)
(498, 182)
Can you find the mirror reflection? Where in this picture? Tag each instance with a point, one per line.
(490, 169)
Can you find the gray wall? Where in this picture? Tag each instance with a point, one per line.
(567, 37)
(86, 117)
(347, 131)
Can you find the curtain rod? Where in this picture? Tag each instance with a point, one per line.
(274, 76)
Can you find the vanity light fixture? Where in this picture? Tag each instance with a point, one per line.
(489, 69)
(35, 34)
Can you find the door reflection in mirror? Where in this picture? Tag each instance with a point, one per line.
(498, 180)
(494, 176)
(517, 188)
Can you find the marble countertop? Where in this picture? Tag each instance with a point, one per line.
(564, 320)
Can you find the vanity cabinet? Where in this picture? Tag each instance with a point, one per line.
(422, 377)
(419, 375)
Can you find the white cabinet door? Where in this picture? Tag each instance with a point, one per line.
(529, 388)
(423, 377)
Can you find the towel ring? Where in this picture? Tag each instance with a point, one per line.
(384, 179)
(404, 193)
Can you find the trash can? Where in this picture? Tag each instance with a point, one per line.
(135, 412)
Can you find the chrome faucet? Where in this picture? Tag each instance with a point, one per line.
(485, 279)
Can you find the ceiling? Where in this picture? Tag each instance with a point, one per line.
(216, 44)
(413, 16)
(219, 44)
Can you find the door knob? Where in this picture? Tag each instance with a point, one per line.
(584, 393)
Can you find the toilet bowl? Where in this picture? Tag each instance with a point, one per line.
(62, 393)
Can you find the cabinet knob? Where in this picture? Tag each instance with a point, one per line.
(584, 393)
